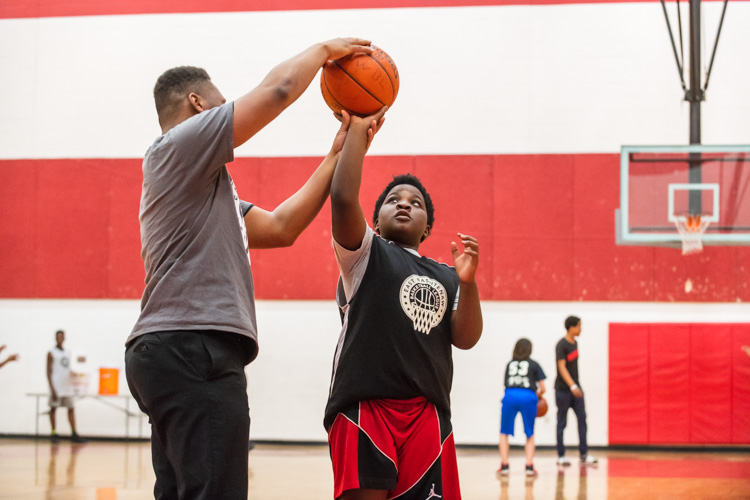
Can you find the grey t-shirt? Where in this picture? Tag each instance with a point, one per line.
(193, 237)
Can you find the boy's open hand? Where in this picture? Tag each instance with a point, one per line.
(466, 262)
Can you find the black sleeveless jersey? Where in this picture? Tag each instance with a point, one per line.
(396, 337)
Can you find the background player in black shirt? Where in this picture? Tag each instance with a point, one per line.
(568, 393)
(524, 385)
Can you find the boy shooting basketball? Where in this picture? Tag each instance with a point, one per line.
(388, 412)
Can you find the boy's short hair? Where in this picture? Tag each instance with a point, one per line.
(413, 181)
(572, 321)
(176, 83)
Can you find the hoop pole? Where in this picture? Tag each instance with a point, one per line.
(674, 47)
(716, 44)
(679, 30)
(695, 96)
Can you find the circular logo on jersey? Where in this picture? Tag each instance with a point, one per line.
(424, 301)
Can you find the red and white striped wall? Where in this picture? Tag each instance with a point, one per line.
(512, 113)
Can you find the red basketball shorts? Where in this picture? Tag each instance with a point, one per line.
(403, 446)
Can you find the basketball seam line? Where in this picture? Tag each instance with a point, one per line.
(325, 82)
(359, 84)
(393, 86)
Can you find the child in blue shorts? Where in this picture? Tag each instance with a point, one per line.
(524, 384)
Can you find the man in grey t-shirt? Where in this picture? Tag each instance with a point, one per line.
(186, 354)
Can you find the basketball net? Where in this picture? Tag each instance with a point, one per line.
(691, 229)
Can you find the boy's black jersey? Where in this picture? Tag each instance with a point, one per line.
(396, 337)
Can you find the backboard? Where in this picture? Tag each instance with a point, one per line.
(661, 185)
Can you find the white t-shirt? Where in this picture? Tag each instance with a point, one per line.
(61, 362)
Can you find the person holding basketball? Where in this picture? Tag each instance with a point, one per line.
(524, 385)
(388, 411)
(186, 355)
(568, 393)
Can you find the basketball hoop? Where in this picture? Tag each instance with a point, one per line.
(691, 229)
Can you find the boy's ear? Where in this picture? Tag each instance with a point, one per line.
(376, 227)
(426, 233)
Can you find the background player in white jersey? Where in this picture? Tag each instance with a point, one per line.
(61, 387)
(388, 413)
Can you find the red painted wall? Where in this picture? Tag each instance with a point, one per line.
(679, 383)
(545, 224)
(55, 8)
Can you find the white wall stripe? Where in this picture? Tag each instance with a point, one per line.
(288, 382)
(518, 79)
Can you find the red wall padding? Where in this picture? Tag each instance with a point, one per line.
(545, 225)
(669, 384)
(740, 385)
(628, 384)
(711, 383)
(679, 383)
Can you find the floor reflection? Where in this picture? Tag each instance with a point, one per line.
(573, 472)
(507, 494)
(104, 470)
(61, 470)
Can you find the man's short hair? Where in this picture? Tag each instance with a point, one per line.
(175, 84)
(413, 181)
(572, 321)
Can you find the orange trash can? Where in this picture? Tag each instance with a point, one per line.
(108, 381)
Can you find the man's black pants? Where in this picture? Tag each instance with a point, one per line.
(192, 386)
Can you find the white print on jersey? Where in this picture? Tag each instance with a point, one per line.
(424, 301)
(243, 229)
(433, 494)
(518, 372)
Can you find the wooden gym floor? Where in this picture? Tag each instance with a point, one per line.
(104, 470)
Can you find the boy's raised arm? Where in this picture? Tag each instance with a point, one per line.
(282, 226)
(347, 219)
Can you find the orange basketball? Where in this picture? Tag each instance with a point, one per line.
(360, 83)
(541, 407)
